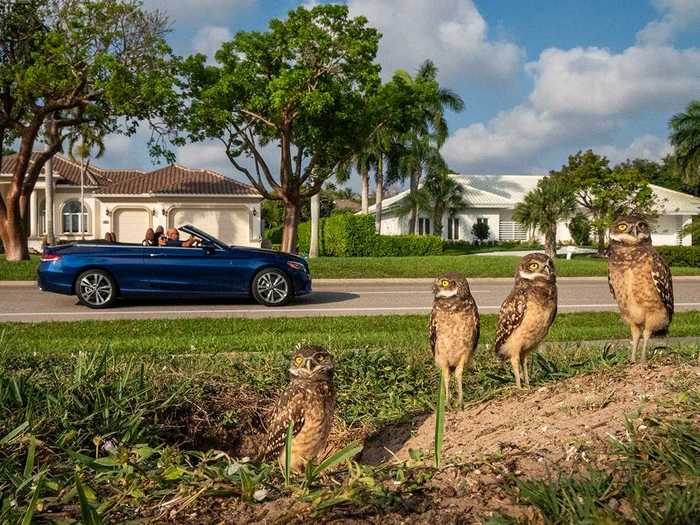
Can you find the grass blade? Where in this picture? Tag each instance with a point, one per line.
(88, 514)
(348, 452)
(440, 421)
(29, 513)
(29, 464)
(288, 452)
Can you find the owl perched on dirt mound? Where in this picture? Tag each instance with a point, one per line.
(308, 403)
(527, 313)
(640, 281)
(454, 328)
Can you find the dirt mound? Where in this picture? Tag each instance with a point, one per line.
(557, 424)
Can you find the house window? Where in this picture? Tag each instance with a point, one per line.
(423, 226)
(453, 229)
(482, 220)
(71, 217)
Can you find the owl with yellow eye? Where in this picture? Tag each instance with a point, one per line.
(454, 328)
(527, 313)
(308, 403)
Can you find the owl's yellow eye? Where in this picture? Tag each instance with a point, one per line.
(298, 360)
(444, 283)
(622, 227)
(533, 266)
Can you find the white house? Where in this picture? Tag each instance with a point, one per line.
(127, 202)
(492, 198)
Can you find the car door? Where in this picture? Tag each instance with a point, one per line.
(189, 271)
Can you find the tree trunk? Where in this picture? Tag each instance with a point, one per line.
(48, 178)
(315, 222)
(601, 240)
(550, 241)
(364, 180)
(413, 220)
(379, 196)
(437, 220)
(14, 237)
(289, 231)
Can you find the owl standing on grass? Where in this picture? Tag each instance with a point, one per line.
(640, 281)
(454, 328)
(308, 403)
(527, 313)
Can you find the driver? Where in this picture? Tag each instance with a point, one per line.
(173, 239)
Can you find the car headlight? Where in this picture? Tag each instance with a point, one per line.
(295, 265)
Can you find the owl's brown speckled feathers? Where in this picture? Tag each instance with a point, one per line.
(309, 403)
(640, 281)
(454, 328)
(527, 313)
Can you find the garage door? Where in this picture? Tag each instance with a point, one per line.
(229, 225)
(130, 224)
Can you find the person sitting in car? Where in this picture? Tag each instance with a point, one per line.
(172, 239)
(150, 238)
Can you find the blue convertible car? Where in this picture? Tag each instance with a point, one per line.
(99, 272)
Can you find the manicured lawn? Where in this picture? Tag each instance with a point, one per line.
(196, 336)
(471, 265)
(18, 271)
(374, 267)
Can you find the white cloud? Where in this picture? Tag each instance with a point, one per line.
(647, 146)
(187, 10)
(579, 93)
(208, 39)
(451, 32)
(678, 16)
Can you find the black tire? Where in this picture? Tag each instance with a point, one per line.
(96, 289)
(271, 287)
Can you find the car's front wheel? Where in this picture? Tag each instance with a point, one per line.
(96, 289)
(271, 287)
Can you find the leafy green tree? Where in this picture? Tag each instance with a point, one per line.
(664, 173)
(685, 139)
(544, 207)
(65, 64)
(605, 193)
(445, 195)
(421, 145)
(580, 229)
(481, 231)
(304, 86)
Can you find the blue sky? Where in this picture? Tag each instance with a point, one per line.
(541, 79)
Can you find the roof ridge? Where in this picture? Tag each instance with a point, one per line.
(674, 191)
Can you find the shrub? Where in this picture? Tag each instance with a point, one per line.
(349, 235)
(274, 234)
(580, 229)
(480, 230)
(680, 255)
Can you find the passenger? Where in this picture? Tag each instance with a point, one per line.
(159, 233)
(150, 239)
(109, 237)
(173, 239)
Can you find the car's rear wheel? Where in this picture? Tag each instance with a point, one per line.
(96, 289)
(272, 287)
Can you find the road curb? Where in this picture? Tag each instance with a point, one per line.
(402, 280)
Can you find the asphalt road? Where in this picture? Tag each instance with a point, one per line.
(366, 297)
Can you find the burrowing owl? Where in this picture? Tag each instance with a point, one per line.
(640, 281)
(527, 313)
(454, 328)
(309, 403)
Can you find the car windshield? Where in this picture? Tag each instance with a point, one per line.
(189, 229)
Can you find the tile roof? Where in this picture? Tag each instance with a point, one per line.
(178, 180)
(173, 179)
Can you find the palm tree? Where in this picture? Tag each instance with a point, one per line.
(81, 143)
(685, 139)
(424, 141)
(542, 208)
(446, 196)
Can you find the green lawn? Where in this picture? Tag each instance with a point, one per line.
(471, 265)
(407, 332)
(369, 267)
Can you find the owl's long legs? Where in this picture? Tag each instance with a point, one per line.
(515, 363)
(523, 362)
(446, 375)
(636, 332)
(647, 335)
(458, 379)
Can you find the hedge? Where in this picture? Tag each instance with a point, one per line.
(349, 235)
(680, 255)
